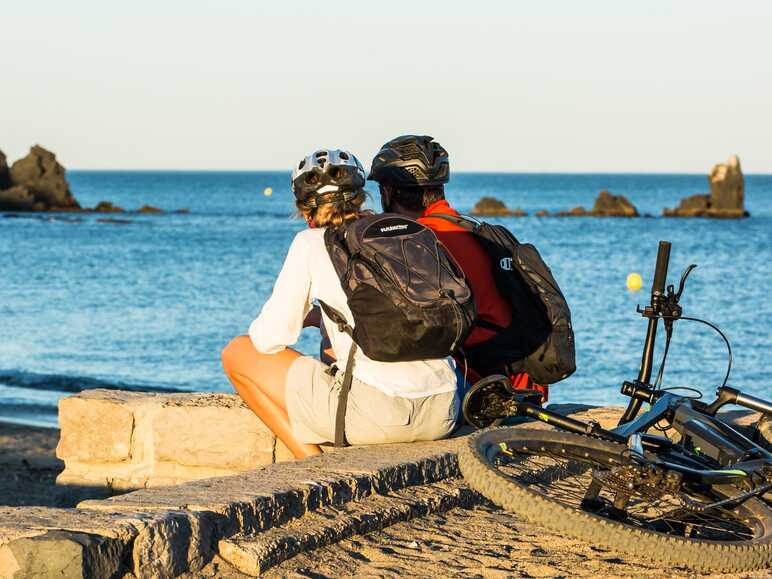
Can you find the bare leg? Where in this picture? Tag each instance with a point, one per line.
(260, 380)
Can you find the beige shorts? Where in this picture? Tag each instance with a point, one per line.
(372, 417)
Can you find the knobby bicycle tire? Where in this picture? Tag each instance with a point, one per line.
(475, 462)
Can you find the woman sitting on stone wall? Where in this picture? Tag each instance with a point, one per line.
(296, 396)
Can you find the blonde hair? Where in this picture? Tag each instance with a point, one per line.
(333, 213)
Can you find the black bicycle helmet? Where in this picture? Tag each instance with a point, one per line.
(411, 160)
(327, 176)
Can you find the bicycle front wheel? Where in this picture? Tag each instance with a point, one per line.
(545, 477)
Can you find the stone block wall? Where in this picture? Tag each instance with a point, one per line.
(127, 440)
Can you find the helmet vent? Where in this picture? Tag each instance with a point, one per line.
(344, 155)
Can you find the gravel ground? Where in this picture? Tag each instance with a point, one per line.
(28, 466)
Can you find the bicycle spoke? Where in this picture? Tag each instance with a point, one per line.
(565, 478)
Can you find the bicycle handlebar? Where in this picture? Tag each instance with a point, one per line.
(660, 273)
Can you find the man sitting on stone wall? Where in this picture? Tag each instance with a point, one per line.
(411, 172)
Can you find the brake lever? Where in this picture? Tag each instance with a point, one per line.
(684, 277)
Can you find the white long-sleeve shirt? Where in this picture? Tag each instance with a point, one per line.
(308, 274)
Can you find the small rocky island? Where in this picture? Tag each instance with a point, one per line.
(726, 198)
(492, 207)
(606, 205)
(37, 183)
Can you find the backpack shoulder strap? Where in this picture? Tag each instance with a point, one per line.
(348, 376)
(337, 318)
(461, 220)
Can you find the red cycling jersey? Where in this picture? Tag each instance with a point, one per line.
(476, 264)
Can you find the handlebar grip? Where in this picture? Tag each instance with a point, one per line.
(660, 273)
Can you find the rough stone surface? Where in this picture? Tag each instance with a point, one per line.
(48, 542)
(172, 545)
(94, 430)
(575, 212)
(5, 175)
(254, 554)
(68, 555)
(107, 207)
(167, 531)
(492, 207)
(608, 205)
(127, 440)
(42, 174)
(727, 186)
(16, 198)
(726, 199)
(154, 544)
(149, 209)
(238, 444)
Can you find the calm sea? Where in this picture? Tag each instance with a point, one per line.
(150, 304)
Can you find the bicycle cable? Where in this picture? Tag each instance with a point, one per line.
(730, 357)
(660, 373)
(697, 391)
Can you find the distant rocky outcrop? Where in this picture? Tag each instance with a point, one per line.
(726, 198)
(107, 207)
(5, 174)
(40, 176)
(575, 212)
(149, 209)
(606, 205)
(492, 207)
(37, 183)
(17, 198)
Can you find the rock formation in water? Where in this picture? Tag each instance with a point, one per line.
(107, 207)
(149, 209)
(37, 183)
(575, 212)
(492, 207)
(40, 176)
(5, 174)
(606, 205)
(725, 200)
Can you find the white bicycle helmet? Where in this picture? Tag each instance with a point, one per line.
(327, 176)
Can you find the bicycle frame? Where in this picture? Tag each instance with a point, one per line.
(718, 454)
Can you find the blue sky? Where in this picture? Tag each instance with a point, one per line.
(505, 86)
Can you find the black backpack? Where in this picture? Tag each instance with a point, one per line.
(408, 296)
(540, 338)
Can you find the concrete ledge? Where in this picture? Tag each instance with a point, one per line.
(280, 508)
(166, 531)
(253, 554)
(127, 440)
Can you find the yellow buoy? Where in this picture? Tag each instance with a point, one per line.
(267, 191)
(634, 282)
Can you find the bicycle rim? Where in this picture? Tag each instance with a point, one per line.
(543, 475)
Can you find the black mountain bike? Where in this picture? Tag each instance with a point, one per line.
(673, 484)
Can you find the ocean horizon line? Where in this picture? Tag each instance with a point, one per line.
(457, 172)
